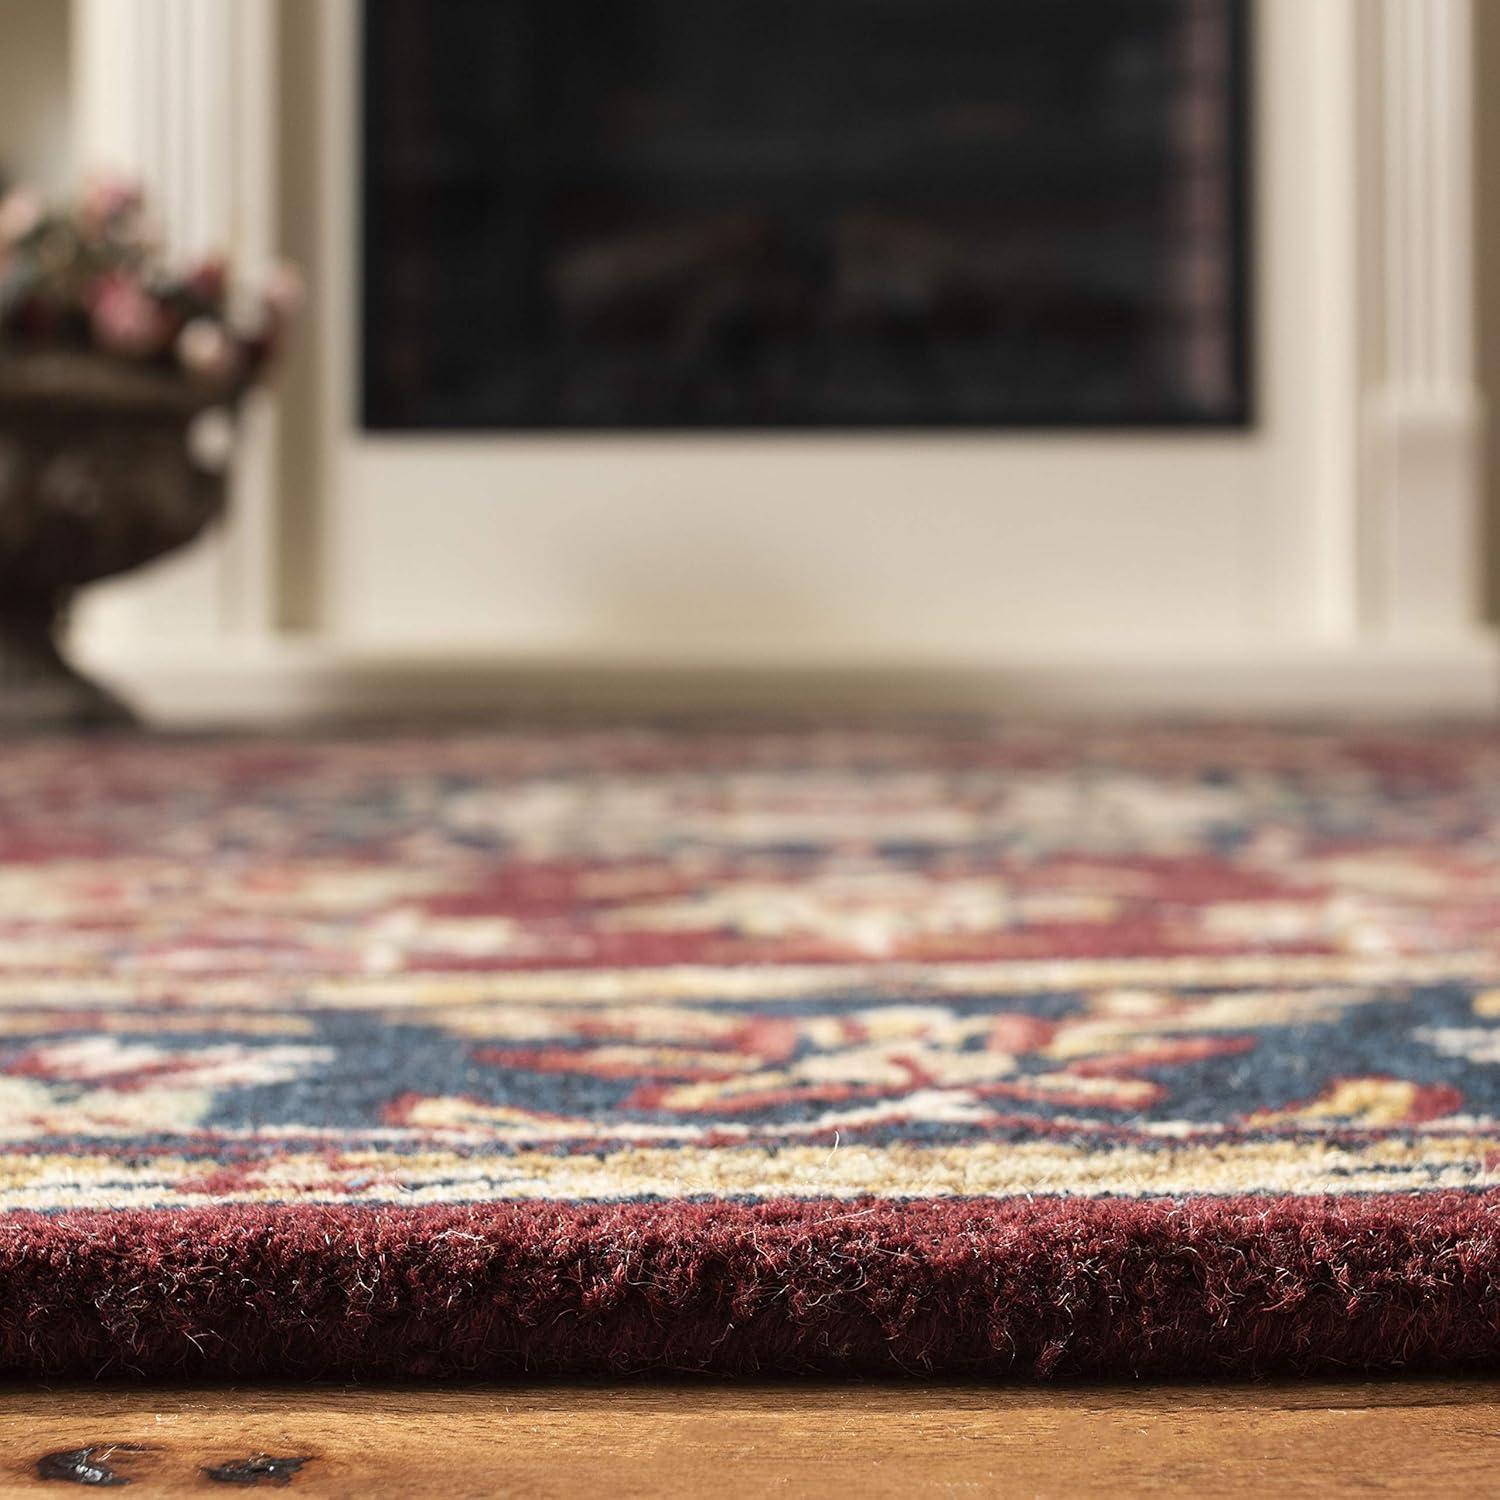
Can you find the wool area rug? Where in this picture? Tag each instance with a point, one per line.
(944, 1049)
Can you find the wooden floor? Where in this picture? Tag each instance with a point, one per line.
(854, 1441)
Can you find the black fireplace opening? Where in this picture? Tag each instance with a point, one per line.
(659, 214)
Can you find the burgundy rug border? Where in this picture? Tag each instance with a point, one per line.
(1028, 1287)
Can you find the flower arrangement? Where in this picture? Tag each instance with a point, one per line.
(121, 375)
(91, 279)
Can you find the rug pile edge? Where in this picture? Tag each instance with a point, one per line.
(1036, 1287)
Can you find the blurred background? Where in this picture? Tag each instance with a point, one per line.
(1038, 354)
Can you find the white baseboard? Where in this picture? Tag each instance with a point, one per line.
(292, 682)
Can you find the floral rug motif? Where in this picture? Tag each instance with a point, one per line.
(940, 1047)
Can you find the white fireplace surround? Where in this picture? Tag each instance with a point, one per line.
(1325, 561)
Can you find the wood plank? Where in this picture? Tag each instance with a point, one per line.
(1438, 1437)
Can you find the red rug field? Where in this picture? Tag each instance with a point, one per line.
(950, 1048)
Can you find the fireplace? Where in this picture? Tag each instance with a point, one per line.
(659, 214)
(568, 489)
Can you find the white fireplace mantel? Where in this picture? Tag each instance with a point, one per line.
(1326, 560)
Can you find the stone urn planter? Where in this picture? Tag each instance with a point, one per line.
(104, 466)
(121, 371)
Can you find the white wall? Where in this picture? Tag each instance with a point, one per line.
(1487, 179)
(35, 140)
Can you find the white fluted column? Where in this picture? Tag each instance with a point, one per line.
(1423, 413)
(181, 95)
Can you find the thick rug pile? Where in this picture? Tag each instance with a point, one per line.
(948, 1049)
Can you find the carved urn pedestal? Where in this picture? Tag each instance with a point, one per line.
(103, 467)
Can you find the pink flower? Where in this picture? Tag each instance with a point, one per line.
(20, 212)
(207, 351)
(126, 319)
(285, 291)
(108, 201)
